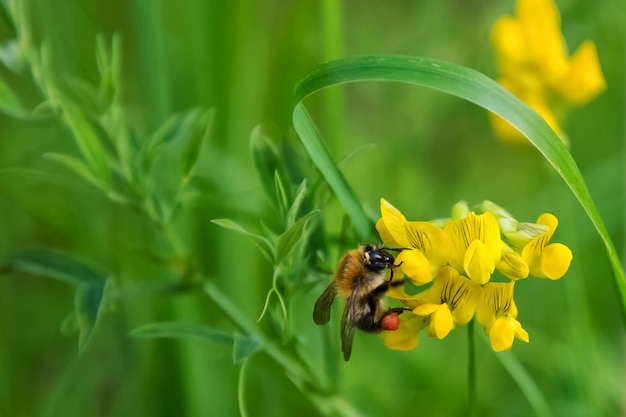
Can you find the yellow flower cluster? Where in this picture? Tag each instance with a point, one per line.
(458, 257)
(532, 59)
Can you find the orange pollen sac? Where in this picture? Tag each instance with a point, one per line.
(390, 322)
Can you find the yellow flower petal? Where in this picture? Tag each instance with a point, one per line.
(512, 265)
(431, 240)
(414, 265)
(584, 79)
(394, 223)
(496, 301)
(428, 238)
(507, 38)
(555, 261)
(547, 261)
(478, 263)
(520, 333)
(464, 232)
(426, 309)
(441, 322)
(502, 334)
(384, 234)
(542, 28)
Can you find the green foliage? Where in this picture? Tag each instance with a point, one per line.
(243, 346)
(124, 142)
(90, 283)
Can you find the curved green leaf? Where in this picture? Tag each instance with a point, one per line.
(177, 329)
(262, 243)
(90, 282)
(53, 264)
(456, 80)
(88, 303)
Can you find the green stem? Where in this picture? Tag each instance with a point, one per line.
(471, 370)
(300, 375)
(240, 389)
(333, 49)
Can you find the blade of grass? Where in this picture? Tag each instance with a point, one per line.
(456, 80)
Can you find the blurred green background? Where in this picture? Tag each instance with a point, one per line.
(429, 150)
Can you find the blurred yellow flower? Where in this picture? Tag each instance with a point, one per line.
(531, 56)
(497, 313)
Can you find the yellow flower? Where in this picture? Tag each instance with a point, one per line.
(476, 243)
(428, 246)
(450, 301)
(530, 241)
(547, 261)
(497, 313)
(533, 64)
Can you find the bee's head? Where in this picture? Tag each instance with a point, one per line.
(377, 258)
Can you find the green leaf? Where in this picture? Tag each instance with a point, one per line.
(87, 140)
(200, 135)
(244, 347)
(264, 245)
(88, 304)
(290, 238)
(53, 264)
(182, 330)
(76, 165)
(156, 142)
(90, 282)
(320, 155)
(452, 79)
(281, 194)
(266, 157)
(297, 202)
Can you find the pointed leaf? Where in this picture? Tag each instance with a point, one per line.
(265, 155)
(290, 238)
(297, 202)
(87, 139)
(88, 302)
(178, 330)
(281, 194)
(53, 264)
(199, 137)
(76, 165)
(262, 243)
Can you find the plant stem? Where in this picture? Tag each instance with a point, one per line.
(240, 389)
(300, 375)
(471, 370)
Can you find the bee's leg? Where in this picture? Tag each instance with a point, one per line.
(391, 271)
(397, 283)
(381, 289)
(398, 310)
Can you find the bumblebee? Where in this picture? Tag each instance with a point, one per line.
(361, 280)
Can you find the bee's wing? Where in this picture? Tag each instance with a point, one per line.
(321, 311)
(350, 315)
(347, 328)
